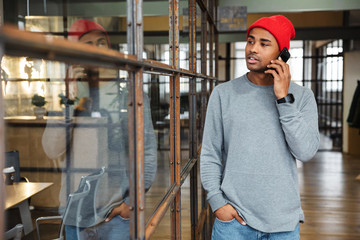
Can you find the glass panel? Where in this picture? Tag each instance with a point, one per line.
(214, 54)
(110, 17)
(184, 121)
(296, 61)
(185, 210)
(208, 49)
(85, 128)
(157, 91)
(25, 77)
(201, 110)
(48, 19)
(198, 39)
(184, 34)
(113, 29)
(76, 26)
(163, 230)
(156, 30)
(46, 24)
(239, 64)
(199, 195)
(22, 76)
(308, 66)
(202, 94)
(85, 125)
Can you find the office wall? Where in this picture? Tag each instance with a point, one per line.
(351, 136)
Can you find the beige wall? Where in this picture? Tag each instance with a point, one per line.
(222, 64)
(351, 137)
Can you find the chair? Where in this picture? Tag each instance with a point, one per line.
(14, 233)
(86, 193)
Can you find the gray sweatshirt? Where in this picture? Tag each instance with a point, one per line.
(249, 148)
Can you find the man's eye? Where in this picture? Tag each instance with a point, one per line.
(250, 41)
(264, 44)
(101, 44)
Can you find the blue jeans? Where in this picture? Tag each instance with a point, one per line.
(233, 230)
(117, 228)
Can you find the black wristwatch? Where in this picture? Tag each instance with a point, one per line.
(287, 99)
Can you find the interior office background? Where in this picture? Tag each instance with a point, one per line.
(326, 36)
(325, 53)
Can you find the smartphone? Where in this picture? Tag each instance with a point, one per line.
(285, 55)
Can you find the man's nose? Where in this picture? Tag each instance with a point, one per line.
(254, 48)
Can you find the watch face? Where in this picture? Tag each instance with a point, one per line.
(290, 98)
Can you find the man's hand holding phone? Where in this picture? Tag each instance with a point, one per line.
(280, 71)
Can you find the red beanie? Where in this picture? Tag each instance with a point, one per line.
(81, 27)
(279, 26)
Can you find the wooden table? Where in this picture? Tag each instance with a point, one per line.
(18, 195)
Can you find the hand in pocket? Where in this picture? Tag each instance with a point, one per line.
(227, 213)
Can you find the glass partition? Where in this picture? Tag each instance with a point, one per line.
(184, 121)
(67, 122)
(73, 27)
(208, 49)
(156, 30)
(200, 112)
(186, 214)
(184, 36)
(213, 48)
(157, 91)
(163, 231)
(198, 38)
(77, 129)
(200, 117)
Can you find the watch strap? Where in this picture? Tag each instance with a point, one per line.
(287, 99)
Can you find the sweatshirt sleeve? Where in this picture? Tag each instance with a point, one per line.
(150, 146)
(211, 167)
(300, 126)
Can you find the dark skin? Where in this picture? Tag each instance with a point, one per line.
(123, 210)
(261, 52)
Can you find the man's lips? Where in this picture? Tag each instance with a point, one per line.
(252, 59)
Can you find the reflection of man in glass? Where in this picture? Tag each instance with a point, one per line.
(98, 137)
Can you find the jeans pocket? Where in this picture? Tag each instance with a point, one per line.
(123, 219)
(224, 230)
(225, 222)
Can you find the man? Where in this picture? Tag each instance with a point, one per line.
(255, 128)
(98, 137)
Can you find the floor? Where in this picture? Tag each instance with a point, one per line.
(329, 190)
(330, 197)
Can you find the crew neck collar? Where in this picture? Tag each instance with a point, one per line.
(257, 86)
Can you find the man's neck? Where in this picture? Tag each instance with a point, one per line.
(261, 79)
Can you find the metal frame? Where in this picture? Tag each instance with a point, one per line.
(136, 123)
(17, 43)
(330, 103)
(175, 166)
(2, 149)
(192, 119)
